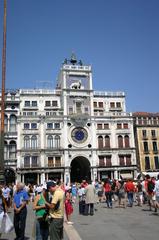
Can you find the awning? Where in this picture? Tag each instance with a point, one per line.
(126, 175)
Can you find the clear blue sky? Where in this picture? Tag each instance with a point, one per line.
(119, 38)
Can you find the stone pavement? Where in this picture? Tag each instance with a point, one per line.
(135, 223)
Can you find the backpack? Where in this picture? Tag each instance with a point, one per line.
(150, 186)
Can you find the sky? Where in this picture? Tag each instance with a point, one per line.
(119, 38)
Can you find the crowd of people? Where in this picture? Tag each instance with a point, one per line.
(53, 202)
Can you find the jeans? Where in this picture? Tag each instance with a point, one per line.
(42, 230)
(56, 229)
(130, 198)
(108, 196)
(89, 209)
(19, 223)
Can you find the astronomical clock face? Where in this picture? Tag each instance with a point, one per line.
(79, 135)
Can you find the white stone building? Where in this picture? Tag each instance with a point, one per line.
(73, 132)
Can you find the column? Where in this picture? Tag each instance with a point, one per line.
(22, 178)
(115, 174)
(67, 176)
(42, 178)
(38, 178)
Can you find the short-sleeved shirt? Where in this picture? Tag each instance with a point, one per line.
(58, 200)
(6, 192)
(20, 197)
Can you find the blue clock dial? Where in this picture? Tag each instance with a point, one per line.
(79, 135)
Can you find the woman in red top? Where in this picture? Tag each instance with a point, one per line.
(108, 192)
(68, 207)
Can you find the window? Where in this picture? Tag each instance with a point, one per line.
(118, 104)
(78, 107)
(128, 160)
(95, 104)
(13, 123)
(27, 103)
(146, 148)
(5, 123)
(119, 126)
(49, 125)
(86, 110)
(100, 104)
(50, 141)
(156, 160)
(34, 103)
(153, 133)
(27, 161)
(100, 142)
(120, 141)
(34, 161)
(145, 121)
(26, 125)
(34, 142)
(50, 161)
(155, 121)
(34, 125)
(144, 133)
(70, 110)
(106, 126)
(107, 142)
(99, 126)
(147, 163)
(13, 97)
(112, 104)
(154, 146)
(126, 140)
(139, 121)
(47, 103)
(108, 161)
(101, 161)
(5, 151)
(12, 150)
(57, 141)
(26, 142)
(57, 125)
(121, 160)
(57, 161)
(125, 125)
(54, 103)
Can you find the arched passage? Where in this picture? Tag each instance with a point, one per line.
(80, 169)
(9, 175)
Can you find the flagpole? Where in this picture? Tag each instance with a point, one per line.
(3, 95)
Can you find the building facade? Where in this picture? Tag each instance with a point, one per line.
(146, 126)
(73, 132)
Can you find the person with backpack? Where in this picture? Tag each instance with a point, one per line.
(108, 193)
(150, 192)
(130, 189)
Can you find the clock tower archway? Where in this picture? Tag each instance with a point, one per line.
(80, 169)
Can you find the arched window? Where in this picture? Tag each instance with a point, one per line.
(107, 142)
(5, 123)
(5, 150)
(120, 141)
(100, 142)
(12, 149)
(50, 141)
(26, 142)
(126, 140)
(57, 141)
(13, 123)
(34, 142)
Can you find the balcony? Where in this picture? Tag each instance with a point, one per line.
(146, 151)
(155, 151)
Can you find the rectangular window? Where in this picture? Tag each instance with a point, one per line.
(78, 107)
(54, 103)
(128, 160)
(156, 160)
(147, 163)
(34, 103)
(101, 161)
(106, 125)
(95, 104)
(108, 161)
(50, 162)
(100, 104)
(26, 125)
(125, 125)
(146, 149)
(86, 110)
(49, 125)
(153, 133)
(70, 110)
(118, 104)
(155, 121)
(155, 146)
(27, 104)
(139, 121)
(121, 161)
(34, 161)
(57, 161)
(145, 121)
(144, 133)
(47, 103)
(57, 125)
(99, 126)
(33, 125)
(27, 161)
(119, 126)
(112, 104)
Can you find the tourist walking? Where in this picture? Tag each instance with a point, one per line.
(90, 193)
(20, 211)
(130, 189)
(68, 206)
(108, 192)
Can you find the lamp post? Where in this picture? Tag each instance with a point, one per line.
(3, 95)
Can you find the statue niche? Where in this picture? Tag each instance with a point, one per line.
(76, 85)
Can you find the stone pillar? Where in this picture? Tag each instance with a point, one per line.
(115, 174)
(38, 182)
(43, 178)
(94, 174)
(67, 176)
(22, 178)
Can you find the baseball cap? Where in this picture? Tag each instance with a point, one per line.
(51, 184)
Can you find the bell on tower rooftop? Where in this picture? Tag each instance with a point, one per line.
(73, 59)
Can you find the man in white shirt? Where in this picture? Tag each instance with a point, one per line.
(156, 192)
